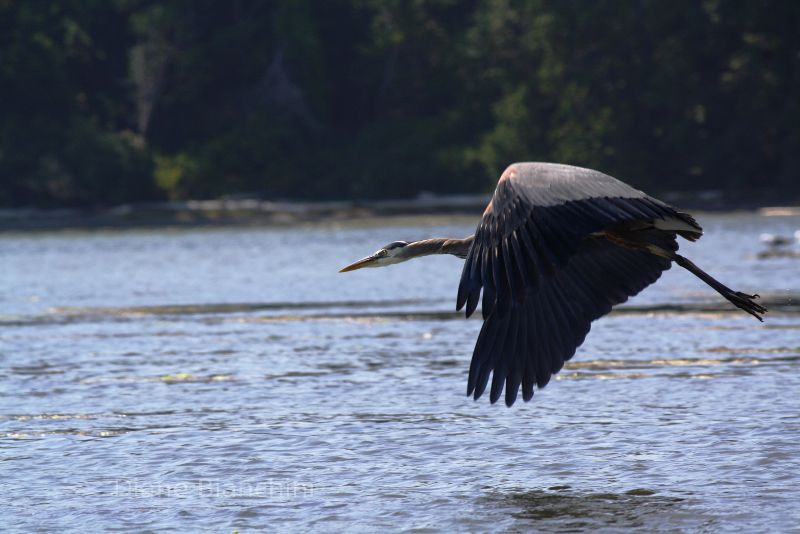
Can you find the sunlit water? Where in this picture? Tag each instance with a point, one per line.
(221, 380)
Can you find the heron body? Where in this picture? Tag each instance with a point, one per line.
(558, 246)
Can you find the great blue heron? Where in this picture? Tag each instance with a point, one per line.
(557, 247)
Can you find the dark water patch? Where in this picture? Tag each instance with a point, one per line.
(311, 348)
(107, 424)
(248, 312)
(781, 326)
(640, 491)
(412, 418)
(755, 350)
(363, 318)
(240, 307)
(675, 368)
(563, 510)
(711, 311)
(783, 303)
(766, 325)
(41, 369)
(445, 364)
(627, 364)
(69, 315)
(778, 254)
(304, 374)
(149, 414)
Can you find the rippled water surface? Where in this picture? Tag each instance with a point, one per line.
(221, 380)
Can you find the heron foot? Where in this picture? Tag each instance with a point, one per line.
(748, 303)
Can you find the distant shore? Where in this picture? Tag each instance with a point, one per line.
(256, 212)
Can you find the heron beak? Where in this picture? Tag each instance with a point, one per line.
(363, 262)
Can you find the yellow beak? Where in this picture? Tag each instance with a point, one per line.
(363, 262)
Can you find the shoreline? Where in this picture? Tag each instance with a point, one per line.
(253, 212)
(238, 213)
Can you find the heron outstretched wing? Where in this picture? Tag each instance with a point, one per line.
(546, 274)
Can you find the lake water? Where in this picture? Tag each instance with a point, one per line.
(230, 379)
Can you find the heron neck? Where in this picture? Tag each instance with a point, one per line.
(438, 245)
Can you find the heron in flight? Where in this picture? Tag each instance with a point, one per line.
(558, 246)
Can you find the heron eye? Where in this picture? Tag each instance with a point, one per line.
(383, 252)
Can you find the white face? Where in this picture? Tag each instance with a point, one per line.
(385, 257)
(388, 255)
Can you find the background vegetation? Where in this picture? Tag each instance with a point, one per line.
(110, 101)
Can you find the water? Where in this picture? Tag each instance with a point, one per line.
(222, 380)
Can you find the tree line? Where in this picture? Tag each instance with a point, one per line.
(111, 101)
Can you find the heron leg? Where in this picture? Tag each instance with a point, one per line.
(741, 300)
(637, 240)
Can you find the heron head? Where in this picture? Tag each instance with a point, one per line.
(387, 255)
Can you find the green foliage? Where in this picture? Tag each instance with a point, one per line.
(107, 102)
(64, 139)
(509, 139)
